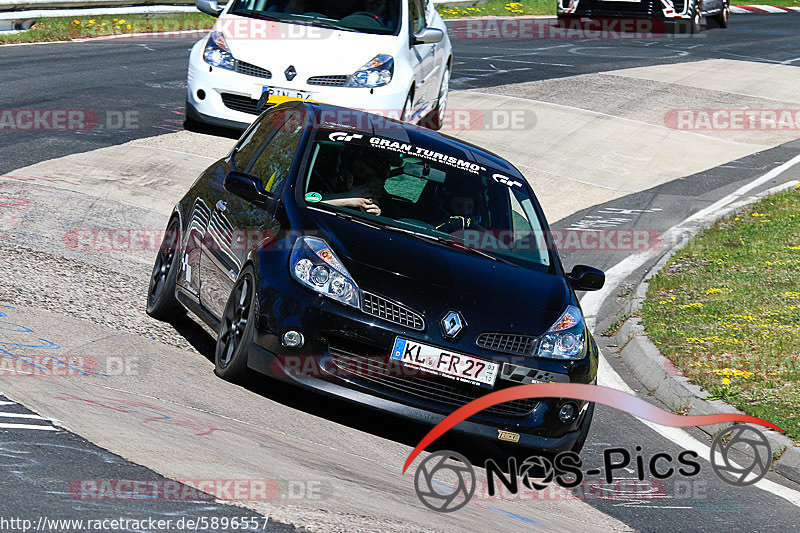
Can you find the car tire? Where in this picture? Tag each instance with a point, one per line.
(585, 425)
(161, 301)
(236, 329)
(407, 106)
(435, 118)
(696, 20)
(722, 17)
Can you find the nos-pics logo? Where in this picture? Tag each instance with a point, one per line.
(445, 480)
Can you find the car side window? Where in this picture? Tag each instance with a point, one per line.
(273, 162)
(261, 131)
(416, 15)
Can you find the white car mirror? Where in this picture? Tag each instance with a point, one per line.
(429, 36)
(209, 7)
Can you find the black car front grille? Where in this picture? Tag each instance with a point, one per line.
(391, 311)
(245, 104)
(249, 69)
(328, 81)
(383, 375)
(507, 343)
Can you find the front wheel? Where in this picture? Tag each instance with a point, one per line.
(236, 329)
(696, 20)
(722, 17)
(161, 301)
(436, 118)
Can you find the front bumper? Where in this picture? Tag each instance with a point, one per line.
(229, 98)
(650, 9)
(333, 331)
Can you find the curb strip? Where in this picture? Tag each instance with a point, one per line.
(667, 383)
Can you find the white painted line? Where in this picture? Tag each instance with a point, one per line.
(17, 415)
(27, 426)
(608, 377)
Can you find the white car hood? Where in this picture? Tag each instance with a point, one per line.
(312, 51)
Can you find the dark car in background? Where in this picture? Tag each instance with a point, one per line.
(686, 16)
(383, 264)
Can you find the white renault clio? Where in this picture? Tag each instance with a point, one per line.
(387, 56)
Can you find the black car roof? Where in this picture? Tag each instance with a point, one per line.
(336, 117)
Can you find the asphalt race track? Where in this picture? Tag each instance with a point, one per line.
(599, 154)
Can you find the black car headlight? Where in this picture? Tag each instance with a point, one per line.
(217, 54)
(566, 339)
(314, 265)
(376, 73)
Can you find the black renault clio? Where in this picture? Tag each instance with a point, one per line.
(384, 264)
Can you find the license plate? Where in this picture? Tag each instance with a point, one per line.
(445, 363)
(291, 93)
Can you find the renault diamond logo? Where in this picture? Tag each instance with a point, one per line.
(452, 324)
(290, 73)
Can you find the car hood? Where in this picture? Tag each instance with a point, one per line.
(312, 51)
(434, 279)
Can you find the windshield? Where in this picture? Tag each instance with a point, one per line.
(367, 16)
(426, 193)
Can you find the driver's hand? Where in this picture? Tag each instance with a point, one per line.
(368, 205)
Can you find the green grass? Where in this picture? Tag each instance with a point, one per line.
(726, 310)
(67, 29)
(501, 8)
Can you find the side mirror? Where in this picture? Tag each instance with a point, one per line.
(247, 187)
(586, 278)
(428, 36)
(209, 7)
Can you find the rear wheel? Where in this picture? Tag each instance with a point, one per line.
(236, 329)
(161, 301)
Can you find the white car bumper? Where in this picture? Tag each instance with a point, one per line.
(229, 98)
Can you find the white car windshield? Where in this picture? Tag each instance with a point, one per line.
(423, 192)
(367, 16)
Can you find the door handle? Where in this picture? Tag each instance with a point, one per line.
(222, 205)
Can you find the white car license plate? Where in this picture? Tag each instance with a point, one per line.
(292, 93)
(445, 363)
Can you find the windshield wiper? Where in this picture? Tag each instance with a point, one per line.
(256, 15)
(329, 25)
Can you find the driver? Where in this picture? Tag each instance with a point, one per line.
(361, 185)
(461, 210)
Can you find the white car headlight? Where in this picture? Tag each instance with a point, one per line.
(566, 339)
(376, 73)
(315, 266)
(217, 54)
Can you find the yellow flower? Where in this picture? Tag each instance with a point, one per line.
(128, 26)
(122, 21)
(76, 21)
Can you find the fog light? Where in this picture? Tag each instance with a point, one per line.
(567, 413)
(292, 339)
(201, 94)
